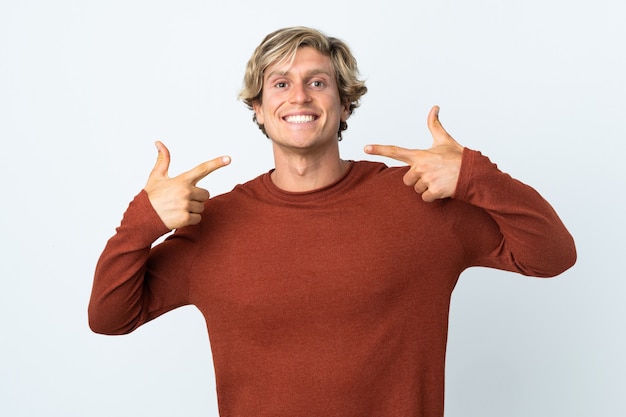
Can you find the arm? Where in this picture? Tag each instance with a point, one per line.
(134, 283)
(523, 232)
(119, 299)
(530, 237)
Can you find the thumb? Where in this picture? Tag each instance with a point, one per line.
(162, 164)
(439, 134)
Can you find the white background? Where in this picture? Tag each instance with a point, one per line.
(86, 87)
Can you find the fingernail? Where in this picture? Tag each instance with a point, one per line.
(226, 159)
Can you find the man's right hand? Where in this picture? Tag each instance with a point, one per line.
(178, 201)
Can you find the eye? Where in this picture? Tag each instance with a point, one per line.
(317, 84)
(280, 84)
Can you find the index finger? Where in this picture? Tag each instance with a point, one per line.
(196, 174)
(391, 151)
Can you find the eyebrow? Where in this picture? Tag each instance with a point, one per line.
(310, 73)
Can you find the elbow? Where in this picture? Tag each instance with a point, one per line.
(557, 261)
(567, 260)
(102, 323)
(568, 256)
(102, 327)
(99, 327)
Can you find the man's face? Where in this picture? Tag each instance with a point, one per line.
(300, 105)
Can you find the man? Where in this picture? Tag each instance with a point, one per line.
(325, 283)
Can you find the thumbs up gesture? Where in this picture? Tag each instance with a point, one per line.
(178, 201)
(433, 172)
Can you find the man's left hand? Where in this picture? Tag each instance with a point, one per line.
(433, 172)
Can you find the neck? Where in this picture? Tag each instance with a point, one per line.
(306, 172)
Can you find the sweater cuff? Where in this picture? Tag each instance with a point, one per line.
(477, 172)
(141, 223)
(465, 173)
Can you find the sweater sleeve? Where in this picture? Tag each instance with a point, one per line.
(126, 291)
(524, 232)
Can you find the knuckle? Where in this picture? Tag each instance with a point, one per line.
(184, 194)
(394, 150)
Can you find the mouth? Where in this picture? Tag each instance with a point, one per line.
(300, 118)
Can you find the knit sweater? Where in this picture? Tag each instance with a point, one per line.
(332, 302)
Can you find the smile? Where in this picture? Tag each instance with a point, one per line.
(300, 118)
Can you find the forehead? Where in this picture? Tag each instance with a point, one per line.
(305, 60)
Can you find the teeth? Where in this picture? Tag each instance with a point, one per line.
(300, 119)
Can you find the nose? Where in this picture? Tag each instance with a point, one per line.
(299, 93)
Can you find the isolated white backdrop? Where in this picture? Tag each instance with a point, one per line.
(86, 87)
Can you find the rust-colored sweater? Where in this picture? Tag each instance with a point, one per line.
(332, 302)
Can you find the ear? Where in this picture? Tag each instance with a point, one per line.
(258, 111)
(345, 112)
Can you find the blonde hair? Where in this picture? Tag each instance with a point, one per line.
(282, 45)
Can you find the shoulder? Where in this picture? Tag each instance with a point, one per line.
(379, 176)
(377, 171)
